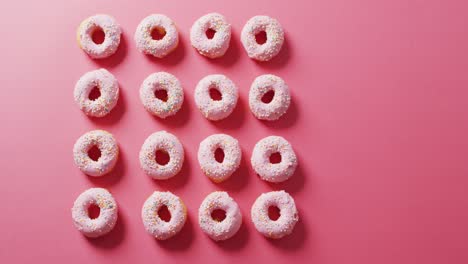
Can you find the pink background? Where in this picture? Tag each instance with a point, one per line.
(378, 121)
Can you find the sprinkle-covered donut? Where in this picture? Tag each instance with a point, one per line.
(220, 168)
(216, 108)
(274, 37)
(108, 149)
(165, 27)
(263, 159)
(154, 224)
(269, 97)
(167, 105)
(111, 29)
(218, 228)
(107, 218)
(211, 46)
(288, 215)
(164, 144)
(108, 88)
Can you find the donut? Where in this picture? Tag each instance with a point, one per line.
(215, 46)
(219, 171)
(157, 47)
(271, 170)
(280, 227)
(108, 88)
(261, 87)
(107, 218)
(108, 148)
(170, 85)
(212, 108)
(154, 224)
(166, 144)
(274, 37)
(111, 29)
(219, 229)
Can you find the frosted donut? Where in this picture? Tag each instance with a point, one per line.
(157, 47)
(107, 146)
(165, 142)
(107, 218)
(280, 227)
(262, 154)
(219, 229)
(111, 30)
(274, 38)
(216, 109)
(108, 89)
(219, 171)
(171, 85)
(217, 45)
(158, 227)
(280, 102)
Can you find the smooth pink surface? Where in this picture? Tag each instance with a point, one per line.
(378, 121)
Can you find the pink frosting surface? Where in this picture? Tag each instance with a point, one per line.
(108, 87)
(156, 226)
(107, 218)
(216, 171)
(218, 45)
(219, 230)
(280, 102)
(274, 33)
(212, 109)
(109, 152)
(162, 81)
(167, 142)
(273, 172)
(288, 218)
(111, 30)
(158, 48)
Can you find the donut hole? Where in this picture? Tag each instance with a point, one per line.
(275, 158)
(268, 97)
(94, 94)
(261, 37)
(161, 94)
(94, 153)
(98, 36)
(210, 33)
(218, 215)
(158, 33)
(162, 157)
(274, 213)
(164, 214)
(94, 211)
(215, 94)
(219, 155)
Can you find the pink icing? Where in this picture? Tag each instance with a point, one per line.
(281, 99)
(158, 48)
(274, 42)
(218, 45)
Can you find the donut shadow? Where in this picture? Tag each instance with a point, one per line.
(238, 180)
(231, 56)
(237, 242)
(114, 176)
(280, 60)
(294, 241)
(285, 121)
(234, 120)
(116, 58)
(173, 58)
(179, 119)
(178, 181)
(181, 241)
(115, 114)
(292, 185)
(114, 238)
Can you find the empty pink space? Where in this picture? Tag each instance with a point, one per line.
(378, 121)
